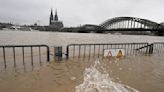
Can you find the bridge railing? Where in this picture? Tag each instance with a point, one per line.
(23, 56)
(88, 50)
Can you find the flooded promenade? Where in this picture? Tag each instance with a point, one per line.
(141, 73)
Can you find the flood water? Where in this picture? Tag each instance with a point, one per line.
(141, 73)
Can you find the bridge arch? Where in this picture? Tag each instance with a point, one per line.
(129, 23)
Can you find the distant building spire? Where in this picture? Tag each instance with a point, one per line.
(55, 24)
(51, 16)
(56, 16)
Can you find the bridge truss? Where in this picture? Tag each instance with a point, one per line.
(131, 24)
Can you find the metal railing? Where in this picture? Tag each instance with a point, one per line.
(158, 48)
(14, 54)
(87, 50)
(154, 48)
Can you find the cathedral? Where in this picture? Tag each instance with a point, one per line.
(54, 21)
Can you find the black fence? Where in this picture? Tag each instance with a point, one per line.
(88, 50)
(22, 56)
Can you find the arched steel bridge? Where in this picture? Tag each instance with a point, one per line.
(132, 24)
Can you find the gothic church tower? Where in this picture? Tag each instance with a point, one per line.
(54, 21)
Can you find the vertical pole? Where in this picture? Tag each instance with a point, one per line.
(32, 64)
(89, 50)
(128, 49)
(40, 57)
(99, 50)
(14, 57)
(23, 58)
(48, 54)
(73, 50)
(84, 49)
(4, 57)
(124, 46)
(94, 49)
(67, 53)
(79, 50)
(131, 51)
(103, 47)
(151, 47)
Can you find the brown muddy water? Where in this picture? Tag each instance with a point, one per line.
(142, 73)
(139, 73)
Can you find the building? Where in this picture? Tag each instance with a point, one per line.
(54, 21)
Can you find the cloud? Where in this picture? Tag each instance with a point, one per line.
(76, 12)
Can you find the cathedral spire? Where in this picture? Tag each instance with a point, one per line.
(56, 16)
(51, 16)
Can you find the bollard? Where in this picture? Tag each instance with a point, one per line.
(58, 53)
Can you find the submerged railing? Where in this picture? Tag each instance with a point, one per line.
(154, 48)
(87, 50)
(18, 55)
(158, 47)
(25, 56)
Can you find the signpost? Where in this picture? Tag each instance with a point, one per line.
(118, 53)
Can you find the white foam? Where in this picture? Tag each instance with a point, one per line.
(95, 81)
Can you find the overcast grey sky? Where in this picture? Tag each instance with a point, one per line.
(76, 12)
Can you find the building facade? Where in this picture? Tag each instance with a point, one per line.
(54, 21)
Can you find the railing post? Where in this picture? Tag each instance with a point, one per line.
(147, 48)
(4, 57)
(48, 54)
(67, 52)
(151, 47)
